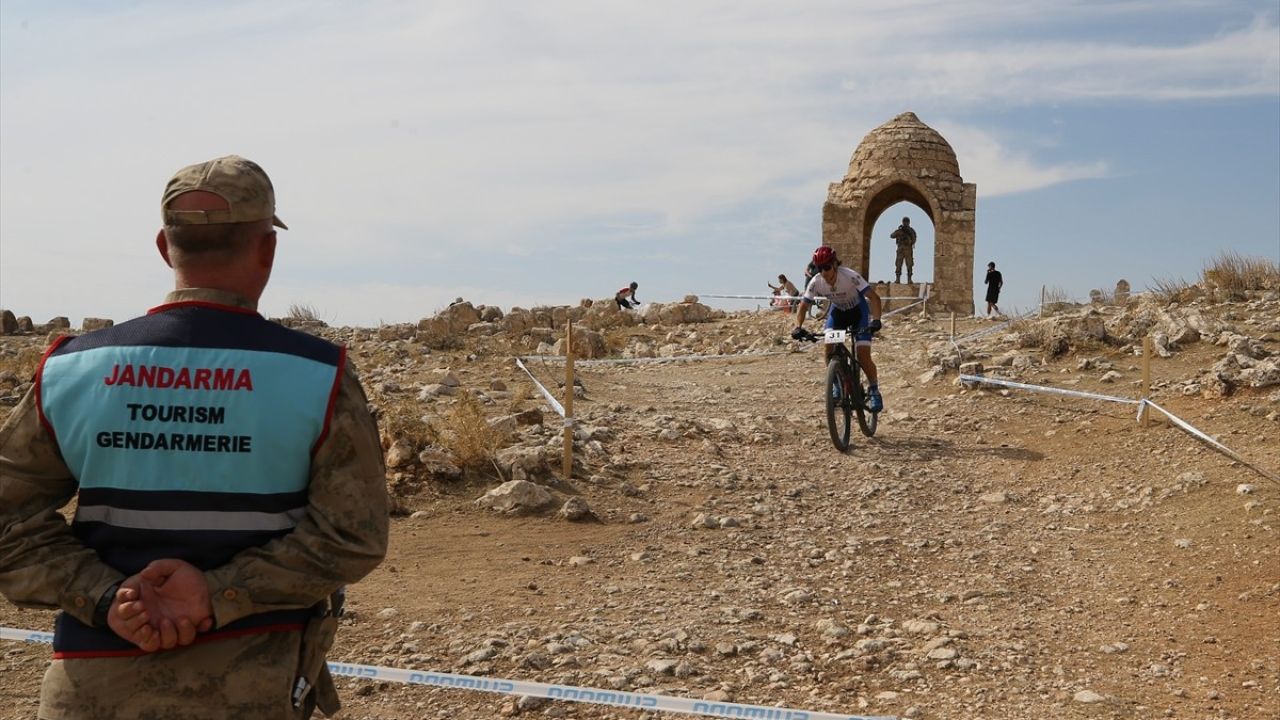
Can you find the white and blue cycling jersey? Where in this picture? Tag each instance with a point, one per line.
(848, 301)
(848, 293)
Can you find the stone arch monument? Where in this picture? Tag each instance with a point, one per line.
(904, 159)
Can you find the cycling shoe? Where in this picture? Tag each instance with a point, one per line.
(874, 402)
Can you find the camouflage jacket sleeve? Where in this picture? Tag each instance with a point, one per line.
(42, 564)
(343, 536)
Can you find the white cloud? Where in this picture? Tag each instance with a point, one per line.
(402, 134)
(1239, 63)
(1001, 170)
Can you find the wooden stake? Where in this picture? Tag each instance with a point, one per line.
(1042, 301)
(567, 466)
(953, 324)
(1146, 379)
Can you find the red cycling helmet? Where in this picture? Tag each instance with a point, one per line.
(824, 255)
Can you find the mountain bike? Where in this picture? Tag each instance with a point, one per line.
(846, 391)
(819, 308)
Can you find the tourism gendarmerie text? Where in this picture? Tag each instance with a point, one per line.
(177, 378)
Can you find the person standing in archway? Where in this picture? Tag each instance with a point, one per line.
(994, 282)
(906, 237)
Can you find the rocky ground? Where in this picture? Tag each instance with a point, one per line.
(990, 553)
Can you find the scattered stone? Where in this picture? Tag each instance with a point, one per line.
(920, 627)
(1088, 696)
(516, 496)
(943, 653)
(704, 522)
(400, 454)
(575, 509)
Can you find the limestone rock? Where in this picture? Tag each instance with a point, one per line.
(586, 344)
(400, 454)
(516, 496)
(575, 509)
(437, 465)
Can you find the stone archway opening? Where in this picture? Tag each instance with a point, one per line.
(906, 161)
(883, 248)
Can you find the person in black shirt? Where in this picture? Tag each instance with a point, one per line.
(994, 282)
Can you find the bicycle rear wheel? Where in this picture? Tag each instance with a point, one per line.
(867, 420)
(838, 404)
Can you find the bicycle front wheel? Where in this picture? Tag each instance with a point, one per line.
(867, 420)
(839, 415)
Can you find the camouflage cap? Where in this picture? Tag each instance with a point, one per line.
(242, 183)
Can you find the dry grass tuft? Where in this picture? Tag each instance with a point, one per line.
(522, 393)
(1056, 299)
(1044, 336)
(1167, 290)
(1054, 295)
(1238, 273)
(465, 433)
(306, 312)
(400, 422)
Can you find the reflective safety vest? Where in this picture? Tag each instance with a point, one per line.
(190, 431)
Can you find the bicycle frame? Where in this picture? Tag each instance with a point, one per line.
(845, 395)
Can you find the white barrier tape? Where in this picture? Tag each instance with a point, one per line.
(31, 636)
(1212, 442)
(995, 328)
(790, 297)
(904, 308)
(591, 696)
(984, 332)
(1141, 404)
(632, 361)
(555, 405)
(753, 297)
(1042, 388)
(568, 422)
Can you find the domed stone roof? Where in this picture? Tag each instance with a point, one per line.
(904, 145)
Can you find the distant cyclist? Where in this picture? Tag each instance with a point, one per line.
(854, 304)
(626, 297)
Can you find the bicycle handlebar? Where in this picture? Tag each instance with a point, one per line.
(805, 336)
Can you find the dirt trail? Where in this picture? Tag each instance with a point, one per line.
(989, 554)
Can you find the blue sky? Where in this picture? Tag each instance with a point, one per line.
(527, 153)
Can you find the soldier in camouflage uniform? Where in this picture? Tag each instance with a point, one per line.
(906, 237)
(228, 477)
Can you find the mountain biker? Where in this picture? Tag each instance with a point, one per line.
(626, 297)
(854, 304)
